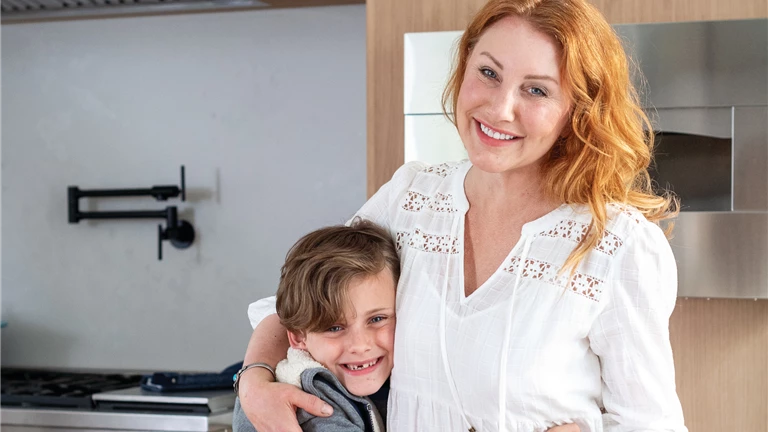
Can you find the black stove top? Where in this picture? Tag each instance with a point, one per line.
(40, 388)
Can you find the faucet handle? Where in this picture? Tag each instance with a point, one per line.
(183, 185)
(181, 236)
(160, 235)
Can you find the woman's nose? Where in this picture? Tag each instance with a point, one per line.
(504, 105)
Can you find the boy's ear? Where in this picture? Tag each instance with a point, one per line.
(297, 340)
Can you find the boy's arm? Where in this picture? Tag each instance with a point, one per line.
(271, 406)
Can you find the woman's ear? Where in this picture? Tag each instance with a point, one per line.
(297, 340)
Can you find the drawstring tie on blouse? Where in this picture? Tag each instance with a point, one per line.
(507, 337)
(505, 343)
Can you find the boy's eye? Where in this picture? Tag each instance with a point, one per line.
(334, 329)
(377, 319)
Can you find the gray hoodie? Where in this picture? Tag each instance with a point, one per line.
(350, 413)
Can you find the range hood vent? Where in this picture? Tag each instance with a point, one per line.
(40, 10)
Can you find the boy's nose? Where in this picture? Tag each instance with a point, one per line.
(360, 341)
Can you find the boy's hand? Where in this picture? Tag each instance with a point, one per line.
(271, 406)
(571, 427)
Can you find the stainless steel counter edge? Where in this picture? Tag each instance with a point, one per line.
(111, 420)
(13, 428)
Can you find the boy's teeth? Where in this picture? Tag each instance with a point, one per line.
(493, 134)
(362, 366)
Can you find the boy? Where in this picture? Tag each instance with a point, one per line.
(336, 298)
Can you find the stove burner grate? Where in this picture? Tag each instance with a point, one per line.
(41, 388)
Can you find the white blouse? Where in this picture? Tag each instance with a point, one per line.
(528, 349)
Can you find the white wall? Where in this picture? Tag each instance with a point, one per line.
(267, 111)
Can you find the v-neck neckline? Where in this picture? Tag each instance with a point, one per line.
(531, 228)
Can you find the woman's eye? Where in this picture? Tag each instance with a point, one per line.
(334, 329)
(488, 73)
(537, 91)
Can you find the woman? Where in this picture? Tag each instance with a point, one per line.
(536, 285)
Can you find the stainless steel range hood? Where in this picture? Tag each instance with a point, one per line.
(26, 10)
(15, 11)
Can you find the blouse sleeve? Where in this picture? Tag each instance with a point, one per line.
(631, 337)
(378, 209)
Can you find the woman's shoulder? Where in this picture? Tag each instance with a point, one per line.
(416, 186)
(417, 171)
(426, 180)
(629, 220)
(623, 223)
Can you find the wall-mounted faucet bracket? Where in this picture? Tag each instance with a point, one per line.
(181, 234)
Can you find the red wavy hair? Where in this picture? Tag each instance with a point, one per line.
(604, 154)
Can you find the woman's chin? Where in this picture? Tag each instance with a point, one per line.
(502, 162)
(489, 163)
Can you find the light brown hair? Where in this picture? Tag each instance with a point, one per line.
(318, 269)
(604, 153)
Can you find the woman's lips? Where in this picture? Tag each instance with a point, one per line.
(502, 141)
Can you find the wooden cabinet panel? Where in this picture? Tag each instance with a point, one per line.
(639, 11)
(387, 22)
(721, 363)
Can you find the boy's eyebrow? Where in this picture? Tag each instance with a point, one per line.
(373, 311)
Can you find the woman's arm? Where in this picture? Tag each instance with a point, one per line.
(271, 406)
(631, 337)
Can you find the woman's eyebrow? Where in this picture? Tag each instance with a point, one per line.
(542, 77)
(493, 59)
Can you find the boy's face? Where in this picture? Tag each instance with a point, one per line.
(358, 350)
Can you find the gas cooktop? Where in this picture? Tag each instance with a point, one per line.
(115, 402)
(41, 388)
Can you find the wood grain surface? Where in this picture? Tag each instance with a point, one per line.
(721, 363)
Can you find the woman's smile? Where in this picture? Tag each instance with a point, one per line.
(494, 137)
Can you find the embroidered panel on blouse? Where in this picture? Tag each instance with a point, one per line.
(414, 201)
(573, 231)
(436, 243)
(440, 203)
(442, 170)
(401, 238)
(583, 284)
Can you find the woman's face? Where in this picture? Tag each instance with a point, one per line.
(511, 106)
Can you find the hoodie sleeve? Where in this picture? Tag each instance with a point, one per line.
(333, 423)
(346, 416)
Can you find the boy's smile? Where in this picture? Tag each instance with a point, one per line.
(358, 350)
